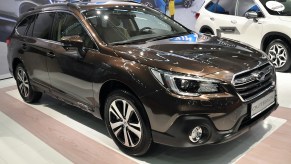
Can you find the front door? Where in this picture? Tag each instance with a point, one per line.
(69, 70)
(250, 30)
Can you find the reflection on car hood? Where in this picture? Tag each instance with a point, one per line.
(194, 55)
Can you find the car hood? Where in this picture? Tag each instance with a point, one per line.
(285, 18)
(194, 54)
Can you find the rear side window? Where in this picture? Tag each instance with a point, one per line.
(23, 25)
(222, 6)
(42, 25)
(31, 26)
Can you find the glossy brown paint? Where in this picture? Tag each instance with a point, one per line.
(85, 80)
(206, 57)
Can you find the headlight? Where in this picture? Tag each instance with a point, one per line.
(187, 85)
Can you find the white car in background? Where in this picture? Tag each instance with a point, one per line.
(264, 24)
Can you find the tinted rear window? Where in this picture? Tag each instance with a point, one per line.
(23, 25)
(31, 26)
(43, 25)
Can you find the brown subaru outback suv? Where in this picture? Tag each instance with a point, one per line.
(150, 78)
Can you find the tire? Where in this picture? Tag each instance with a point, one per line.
(149, 3)
(206, 32)
(279, 54)
(24, 87)
(133, 140)
(187, 3)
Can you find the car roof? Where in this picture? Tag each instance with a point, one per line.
(79, 6)
(107, 4)
(87, 6)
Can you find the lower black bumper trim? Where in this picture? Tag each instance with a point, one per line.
(178, 134)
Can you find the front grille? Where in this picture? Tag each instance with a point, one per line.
(253, 83)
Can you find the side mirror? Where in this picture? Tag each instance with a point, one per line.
(72, 41)
(251, 15)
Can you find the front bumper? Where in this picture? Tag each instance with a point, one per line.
(225, 116)
(178, 134)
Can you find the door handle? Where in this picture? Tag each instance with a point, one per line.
(233, 21)
(213, 19)
(24, 46)
(50, 54)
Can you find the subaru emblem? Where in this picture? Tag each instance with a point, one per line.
(260, 76)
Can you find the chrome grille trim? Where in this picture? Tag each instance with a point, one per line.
(255, 82)
(249, 78)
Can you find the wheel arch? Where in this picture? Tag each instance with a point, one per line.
(269, 37)
(15, 62)
(206, 28)
(107, 88)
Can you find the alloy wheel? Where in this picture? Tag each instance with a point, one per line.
(148, 4)
(187, 3)
(23, 83)
(278, 55)
(125, 123)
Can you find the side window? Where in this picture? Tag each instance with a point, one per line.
(68, 25)
(246, 6)
(31, 26)
(222, 7)
(42, 25)
(211, 6)
(23, 25)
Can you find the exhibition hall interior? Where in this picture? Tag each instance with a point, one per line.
(145, 81)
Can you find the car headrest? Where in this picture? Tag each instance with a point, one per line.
(112, 21)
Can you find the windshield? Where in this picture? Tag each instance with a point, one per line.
(278, 7)
(132, 24)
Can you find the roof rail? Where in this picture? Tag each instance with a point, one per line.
(74, 1)
(34, 8)
(73, 5)
(132, 1)
(31, 9)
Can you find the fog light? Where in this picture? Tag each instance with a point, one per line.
(196, 134)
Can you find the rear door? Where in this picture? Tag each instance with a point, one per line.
(34, 47)
(223, 16)
(71, 72)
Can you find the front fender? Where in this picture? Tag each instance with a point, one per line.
(137, 77)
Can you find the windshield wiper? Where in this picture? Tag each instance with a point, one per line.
(167, 36)
(127, 42)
